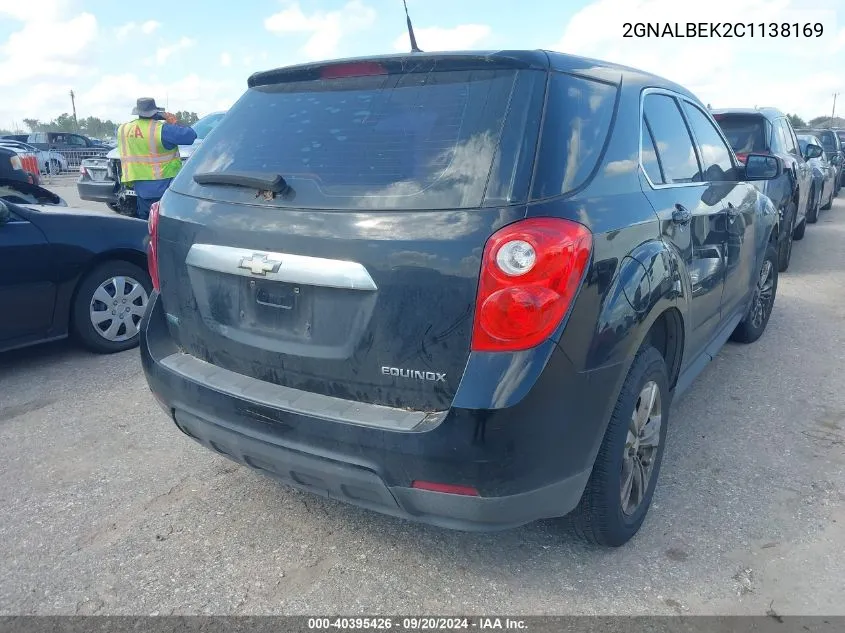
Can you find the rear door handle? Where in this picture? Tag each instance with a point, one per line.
(681, 215)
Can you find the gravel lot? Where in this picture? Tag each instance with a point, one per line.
(108, 509)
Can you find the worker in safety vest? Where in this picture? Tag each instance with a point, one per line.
(149, 152)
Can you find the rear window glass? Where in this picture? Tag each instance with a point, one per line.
(828, 140)
(578, 116)
(407, 141)
(745, 134)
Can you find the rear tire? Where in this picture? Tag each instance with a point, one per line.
(99, 298)
(813, 211)
(754, 323)
(606, 514)
(785, 242)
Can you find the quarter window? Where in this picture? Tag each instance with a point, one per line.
(672, 139)
(715, 156)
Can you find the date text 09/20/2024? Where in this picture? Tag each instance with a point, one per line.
(722, 29)
(415, 623)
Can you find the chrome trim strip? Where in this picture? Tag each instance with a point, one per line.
(286, 267)
(287, 399)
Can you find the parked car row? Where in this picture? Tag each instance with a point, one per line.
(73, 148)
(47, 161)
(99, 178)
(808, 171)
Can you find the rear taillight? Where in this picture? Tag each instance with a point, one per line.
(530, 273)
(152, 250)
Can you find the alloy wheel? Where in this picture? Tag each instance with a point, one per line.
(763, 296)
(117, 307)
(641, 447)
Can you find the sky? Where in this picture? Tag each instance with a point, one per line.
(189, 56)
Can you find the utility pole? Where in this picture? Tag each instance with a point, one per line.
(73, 104)
(833, 111)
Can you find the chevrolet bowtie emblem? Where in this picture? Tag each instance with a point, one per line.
(258, 264)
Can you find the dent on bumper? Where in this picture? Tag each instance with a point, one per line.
(373, 468)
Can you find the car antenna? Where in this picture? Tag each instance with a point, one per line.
(414, 47)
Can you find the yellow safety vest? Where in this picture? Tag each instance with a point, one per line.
(142, 154)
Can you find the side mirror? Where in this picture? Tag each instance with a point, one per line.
(5, 214)
(836, 160)
(813, 151)
(762, 167)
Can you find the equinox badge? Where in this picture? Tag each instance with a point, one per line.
(431, 376)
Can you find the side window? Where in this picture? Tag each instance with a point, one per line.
(73, 139)
(650, 162)
(715, 155)
(786, 134)
(672, 139)
(578, 118)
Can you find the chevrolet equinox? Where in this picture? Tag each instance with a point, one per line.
(460, 288)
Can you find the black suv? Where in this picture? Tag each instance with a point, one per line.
(768, 131)
(457, 288)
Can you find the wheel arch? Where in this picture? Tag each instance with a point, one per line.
(129, 255)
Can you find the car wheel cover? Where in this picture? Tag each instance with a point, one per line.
(116, 308)
(763, 295)
(641, 447)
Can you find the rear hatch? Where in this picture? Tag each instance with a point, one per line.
(343, 255)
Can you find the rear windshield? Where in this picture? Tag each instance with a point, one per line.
(746, 134)
(406, 141)
(828, 140)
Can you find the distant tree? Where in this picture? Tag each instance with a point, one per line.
(826, 121)
(796, 121)
(183, 117)
(34, 125)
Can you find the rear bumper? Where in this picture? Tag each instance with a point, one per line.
(528, 462)
(97, 191)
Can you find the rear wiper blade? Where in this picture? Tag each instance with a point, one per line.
(263, 181)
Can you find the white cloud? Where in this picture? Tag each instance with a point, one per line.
(113, 96)
(461, 37)
(55, 56)
(124, 30)
(149, 27)
(796, 74)
(32, 10)
(225, 60)
(325, 29)
(164, 53)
